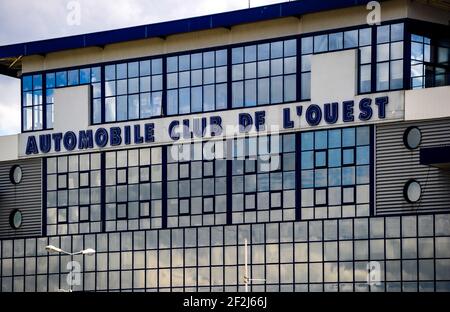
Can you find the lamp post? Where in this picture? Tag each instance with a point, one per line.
(247, 278)
(53, 249)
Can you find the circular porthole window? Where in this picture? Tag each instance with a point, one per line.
(15, 219)
(412, 191)
(412, 137)
(15, 175)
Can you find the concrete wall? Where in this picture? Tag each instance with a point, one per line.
(427, 103)
(72, 109)
(334, 76)
(9, 147)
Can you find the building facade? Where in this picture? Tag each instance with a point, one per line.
(321, 141)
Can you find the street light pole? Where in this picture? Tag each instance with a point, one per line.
(247, 278)
(87, 252)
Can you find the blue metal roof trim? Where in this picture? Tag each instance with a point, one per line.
(163, 29)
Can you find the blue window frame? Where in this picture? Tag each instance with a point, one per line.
(389, 57)
(32, 103)
(197, 82)
(430, 58)
(356, 38)
(133, 90)
(239, 76)
(264, 73)
(335, 173)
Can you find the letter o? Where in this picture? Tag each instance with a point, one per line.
(101, 137)
(313, 115)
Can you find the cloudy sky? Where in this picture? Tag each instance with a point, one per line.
(48, 19)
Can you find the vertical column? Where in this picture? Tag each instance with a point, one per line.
(164, 187)
(298, 161)
(44, 197)
(229, 158)
(372, 187)
(102, 104)
(103, 190)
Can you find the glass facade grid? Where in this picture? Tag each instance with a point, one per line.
(73, 192)
(328, 172)
(263, 179)
(429, 62)
(320, 255)
(133, 90)
(197, 82)
(335, 173)
(389, 57)
(32, 103)
(264, 73)
(358, 38)
(196, 185)
(133, 189)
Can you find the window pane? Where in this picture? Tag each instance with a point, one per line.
(290, 47)
(209, 97)
(110, 109)
(172, 64)
(320, 43)
(72, 77)
(365, 78)
(61, 79)
(396, 74)
(263, 91)
(237, 55)
(157, 66)
(156, 103)
(85, 75)
(276, 49)
(122, 108)
(383, 34)
(365, 55)
(307, 45)
(221, 96)
(121, 71)
(250, 92)
(351, 39)
(365, 36)
(336, 41)
(250, 53)
(382, 52)
(133, 69)
(221, 57)
(263, 51)
(145, 105)
(382, 76)
(238, 94)
(185, 101)
(276, 89)
(396, 50)
(133, 106)
(396, 32)
(196, 99)
(27, 82)
(290, 91)
(306, 86)
(172, 102)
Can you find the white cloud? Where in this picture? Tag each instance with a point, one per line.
(48, 19)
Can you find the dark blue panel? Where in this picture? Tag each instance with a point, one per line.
(226, 19)
(435, 156)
